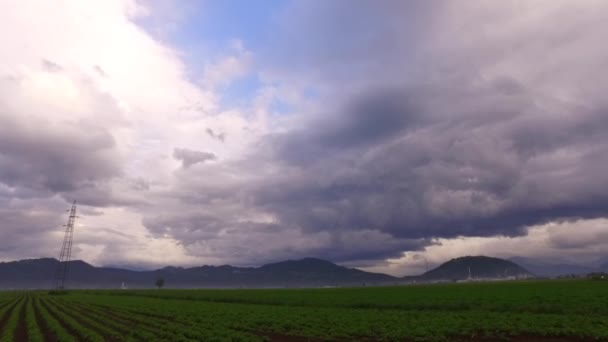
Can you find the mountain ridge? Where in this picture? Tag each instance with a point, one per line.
(312, 272)
(477, 268)
(306, 272)
(547, 269)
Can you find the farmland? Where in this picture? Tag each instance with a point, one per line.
(559, 310)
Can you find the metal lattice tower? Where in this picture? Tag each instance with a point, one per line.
(61, 274)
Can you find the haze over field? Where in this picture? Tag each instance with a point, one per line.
(383, 135)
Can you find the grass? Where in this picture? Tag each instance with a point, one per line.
(572, 309)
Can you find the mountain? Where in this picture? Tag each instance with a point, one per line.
(309, 272)
(551, 269)
(317, 271)
(476, 267)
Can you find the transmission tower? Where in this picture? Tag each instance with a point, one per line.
(61, 274)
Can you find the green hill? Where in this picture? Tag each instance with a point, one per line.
(477, 267)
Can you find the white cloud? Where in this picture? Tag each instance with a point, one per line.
(75, 68)
(96, 106)
(227, 69)
(576, 242)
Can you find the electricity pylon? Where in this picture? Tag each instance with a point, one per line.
(61, 275)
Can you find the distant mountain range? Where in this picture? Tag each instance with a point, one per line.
(308, 272)
(547, 269)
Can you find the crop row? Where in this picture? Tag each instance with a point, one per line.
(39, 317)
(339, 323)
(34, 333)
(537, 297)
(102, 316)
(10, 318)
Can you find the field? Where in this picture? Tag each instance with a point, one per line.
(520, 311)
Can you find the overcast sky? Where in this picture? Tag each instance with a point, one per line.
(375, 134)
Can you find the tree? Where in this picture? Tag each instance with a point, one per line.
(160, 282)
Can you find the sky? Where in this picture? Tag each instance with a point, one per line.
(384, 135)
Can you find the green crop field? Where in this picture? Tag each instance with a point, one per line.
(520, 311)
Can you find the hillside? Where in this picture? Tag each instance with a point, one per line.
(307, 272)
(551, 269)
(476, 267)
(38, 273)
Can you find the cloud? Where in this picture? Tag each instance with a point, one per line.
(421, 135)
(441, 177)
(100, 71)
(476, 152)
(191, 157)
(579, 235)
(30, 229)
(42, 153)
(51, 66)
(414, 124)
(77, 122)
(227, 69)
(218, 136)
(575, 242)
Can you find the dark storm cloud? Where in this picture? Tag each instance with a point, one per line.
(254, 243)
(437, 120)
(48, 149)
(50, 160)
(30, 229)
(441, 156)
(50, 154)
(191, 157)
(374, 116)
(193, 227)
(443, 177)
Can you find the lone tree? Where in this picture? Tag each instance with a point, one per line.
(160, 282)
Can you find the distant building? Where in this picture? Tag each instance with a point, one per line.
(598, 276)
